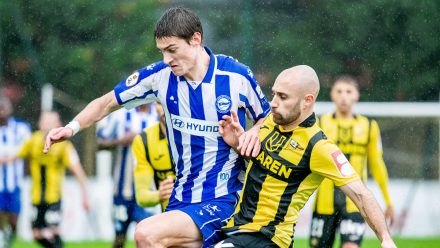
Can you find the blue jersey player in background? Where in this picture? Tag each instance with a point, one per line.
(117, 132)
(12, 134)
(196, 88)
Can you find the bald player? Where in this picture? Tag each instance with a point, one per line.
(294, 158)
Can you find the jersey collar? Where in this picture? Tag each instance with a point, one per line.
(211, 68)
(310, 121)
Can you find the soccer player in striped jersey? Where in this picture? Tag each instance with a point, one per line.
(116, 132)
(12, 134)
(359, 140)
(295, 157)
(196, 88)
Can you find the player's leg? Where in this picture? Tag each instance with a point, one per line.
(352, 229)
(39, 224)
(121, 220)
(187, 225)
(323, 230)
(52, 218)
(244, 240)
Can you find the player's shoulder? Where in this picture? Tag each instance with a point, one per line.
(230, 64)
(154, 67)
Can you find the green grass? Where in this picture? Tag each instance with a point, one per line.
(299, 243)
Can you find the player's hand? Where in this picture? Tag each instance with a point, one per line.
(249, 142)
(86, 204)
(230, 129)
(165, 188)
(57, 135)
(389, 215)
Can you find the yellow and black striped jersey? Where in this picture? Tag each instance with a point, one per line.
(280, 180)
(47, 170)
(359, 140)
(152, 163)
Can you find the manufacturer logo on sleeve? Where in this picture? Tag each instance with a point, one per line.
(341, 162)
(223, 104)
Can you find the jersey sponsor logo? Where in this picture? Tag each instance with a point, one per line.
(132, 79)
(223, 104)
(273, 165)
(341, 162)
(195, 126)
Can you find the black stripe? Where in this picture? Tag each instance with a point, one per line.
(43, 182)
(144, 141)
(296, 178)
(251, 190)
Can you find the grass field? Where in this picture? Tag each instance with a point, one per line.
(300, 243)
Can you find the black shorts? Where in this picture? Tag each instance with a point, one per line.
(247, 239)
(323, 229)
(46, 215)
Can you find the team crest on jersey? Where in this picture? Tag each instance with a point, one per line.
(223, 104)
(274, 142)
(132, 79)
(341, 162)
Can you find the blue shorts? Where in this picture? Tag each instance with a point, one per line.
(10, 202)
(125, 212)
(210, 216)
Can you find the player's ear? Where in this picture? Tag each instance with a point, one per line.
(196, 39)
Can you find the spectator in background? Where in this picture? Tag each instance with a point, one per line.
(47, 172)
(359, 140)
(117, 132)
(12, 134)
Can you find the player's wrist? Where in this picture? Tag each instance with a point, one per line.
(74, 126)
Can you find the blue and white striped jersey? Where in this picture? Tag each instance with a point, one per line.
(206, 167)
(12, 136)
(115, 126)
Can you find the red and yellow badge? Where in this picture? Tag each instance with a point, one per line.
(341, 162)
(132, 79)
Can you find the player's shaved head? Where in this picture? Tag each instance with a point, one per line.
(301, 78)
(49, 120)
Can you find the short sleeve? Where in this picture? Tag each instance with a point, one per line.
(328, 161)
(138, 88)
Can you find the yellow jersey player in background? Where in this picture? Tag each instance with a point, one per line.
(153, 163)
(293, 159)
(359, 140)
(47, 172)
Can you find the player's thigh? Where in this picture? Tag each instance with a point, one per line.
(323, 230)
(352, 229)
(170, 229)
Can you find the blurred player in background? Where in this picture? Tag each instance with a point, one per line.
(47, 172)
(359, 140)
(153, 163)
(295, 157)
(117, 132)
(12, 134)
(196, 88)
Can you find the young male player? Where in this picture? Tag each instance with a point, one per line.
(153, 163)
(295, 157)
(196, 88)
(359, 140)
(13, 132)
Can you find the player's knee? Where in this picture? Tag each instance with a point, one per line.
(145, 236)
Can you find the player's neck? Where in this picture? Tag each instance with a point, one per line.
(344, 114)
(304, 115)
(198, 72)
(3, 121)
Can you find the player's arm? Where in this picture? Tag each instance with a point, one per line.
(328, 161)
(370, 210)
(144, 176)
(71, 158)
(23, 153)
(378, 169)
(93, 112)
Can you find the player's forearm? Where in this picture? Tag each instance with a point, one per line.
(372, 214)
(96, 110)
(147, 198)
(80, 176)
